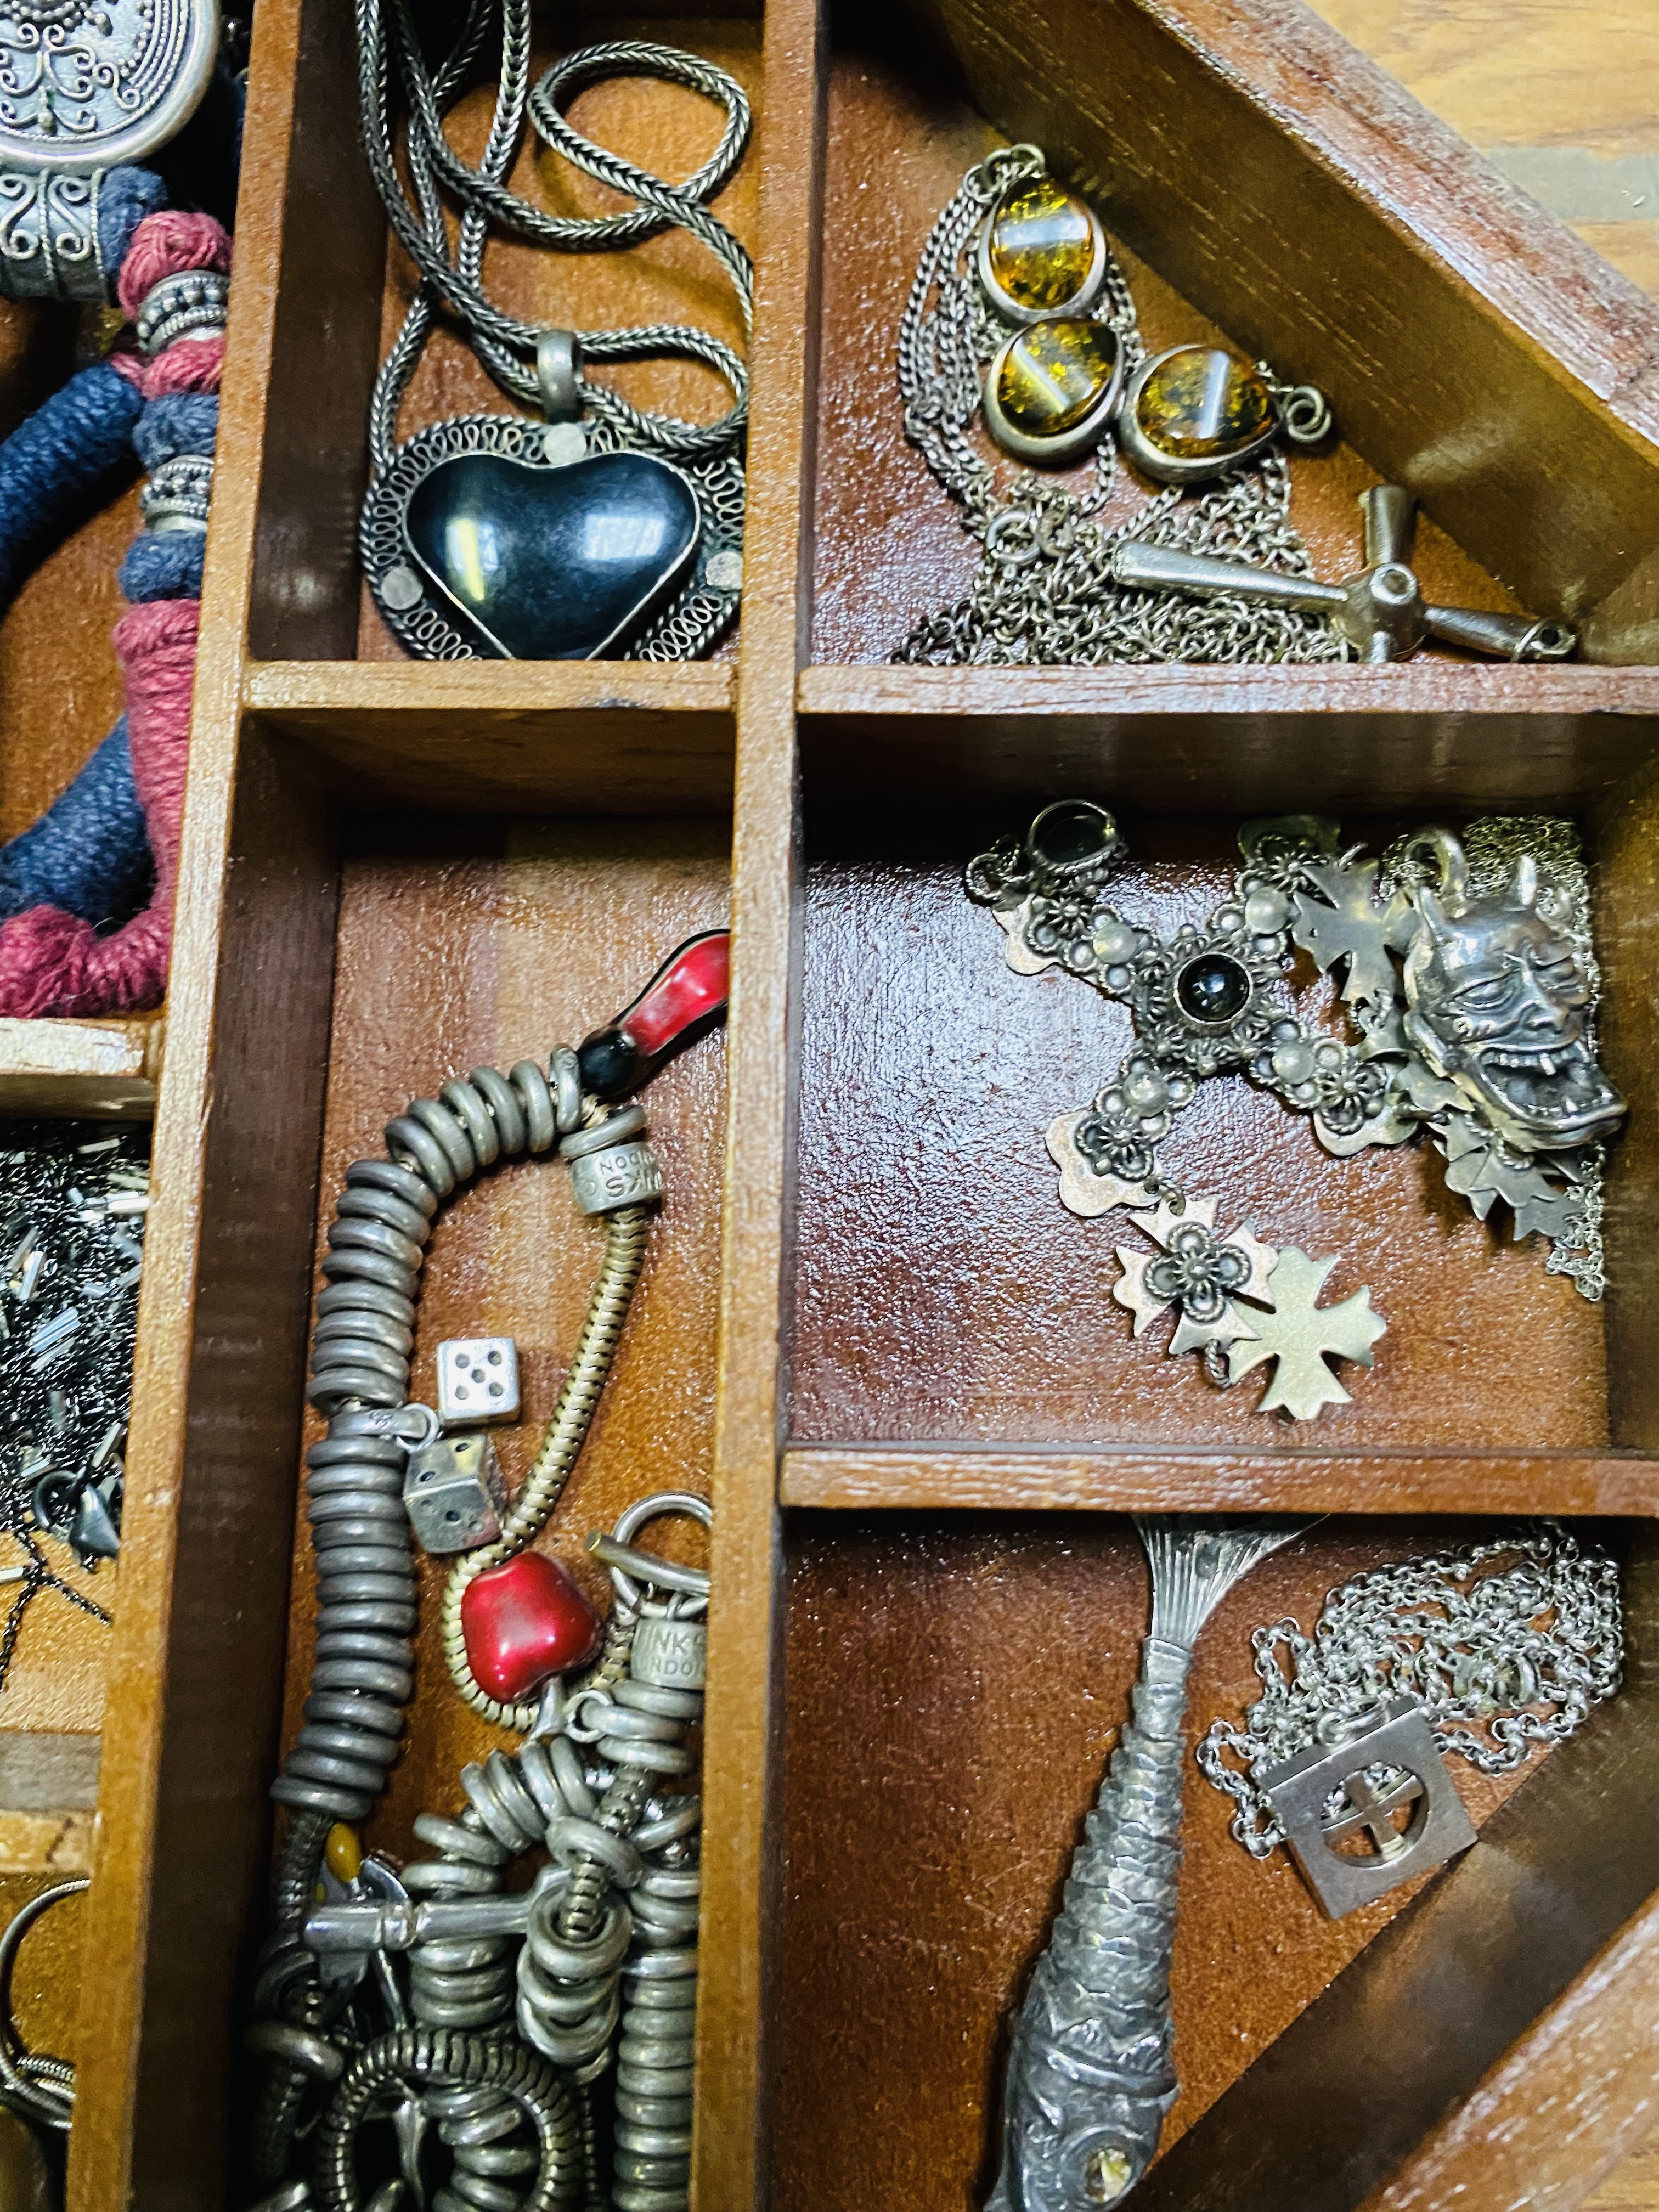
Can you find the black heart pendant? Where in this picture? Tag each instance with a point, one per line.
(544, 563)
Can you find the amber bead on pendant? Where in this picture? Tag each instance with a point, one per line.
(1052, 388)
(1041, 252)
(1194, 412)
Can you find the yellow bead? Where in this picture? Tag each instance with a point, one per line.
(1042, 246)
(343, 1853)
(1053, 374)
(1201, 402)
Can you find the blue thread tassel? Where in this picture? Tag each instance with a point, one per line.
(89, 852)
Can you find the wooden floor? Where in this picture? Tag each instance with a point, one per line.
(1565, 95)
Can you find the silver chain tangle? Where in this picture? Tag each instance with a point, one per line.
(1505, 1645)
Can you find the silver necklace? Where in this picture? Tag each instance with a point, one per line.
(1045, 591)
(1503, 1645)
(1468, 972)
(591, 529)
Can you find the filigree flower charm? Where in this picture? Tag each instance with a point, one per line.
(1197, 1271)
(1200, 1273)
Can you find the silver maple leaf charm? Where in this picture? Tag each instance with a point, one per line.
(1301, 1334)
(1345, 923)
(1479, 1170)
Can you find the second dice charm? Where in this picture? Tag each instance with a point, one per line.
(454, 1495)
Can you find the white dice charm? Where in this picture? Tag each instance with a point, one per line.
(478, 1379)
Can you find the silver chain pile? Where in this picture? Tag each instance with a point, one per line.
(1044, 592)
(1505, 1645)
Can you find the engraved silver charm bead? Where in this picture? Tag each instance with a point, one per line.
(622, 1175)
(193, 303)
(85, 86)
(1370, 1807)
(671, 1654)
(49, 245)
(478, 1379)
(178, 494)
(454, 1494)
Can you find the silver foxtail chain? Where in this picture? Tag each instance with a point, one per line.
(710, 454)
(1044, 592)
(1506, 1644)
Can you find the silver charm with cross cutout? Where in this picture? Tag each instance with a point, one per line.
(1368, 1806)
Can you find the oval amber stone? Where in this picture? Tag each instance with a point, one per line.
(1041, 246)
(1053, 374)
(1201, 402)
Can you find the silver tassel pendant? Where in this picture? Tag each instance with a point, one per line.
(1090, 2071)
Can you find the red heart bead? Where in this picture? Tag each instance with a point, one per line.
(522, 1621)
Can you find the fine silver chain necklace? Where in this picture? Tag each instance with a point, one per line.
(1505, 1645)
(1045, 592)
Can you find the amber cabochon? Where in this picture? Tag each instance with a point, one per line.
(866, 1321)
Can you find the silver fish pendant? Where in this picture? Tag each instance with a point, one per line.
(1090, 2073)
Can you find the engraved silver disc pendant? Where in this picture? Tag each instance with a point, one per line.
(91, 84)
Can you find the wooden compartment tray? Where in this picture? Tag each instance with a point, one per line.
(867, 1324)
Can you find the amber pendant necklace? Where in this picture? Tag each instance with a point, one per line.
(1020, 317)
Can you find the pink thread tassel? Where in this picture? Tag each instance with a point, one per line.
(53, 963)
(50, 963)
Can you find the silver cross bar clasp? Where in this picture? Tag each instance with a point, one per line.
(1381, 612)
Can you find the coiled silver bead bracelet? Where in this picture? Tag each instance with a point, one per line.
(514, 2004)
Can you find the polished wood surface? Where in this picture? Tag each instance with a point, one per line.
(1294, 1478)
(603, 738)
(733, 2151)
(196, 1656)
(1532, 74)
(1188, 739)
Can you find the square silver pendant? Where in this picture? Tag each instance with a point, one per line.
(1376, 1836)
